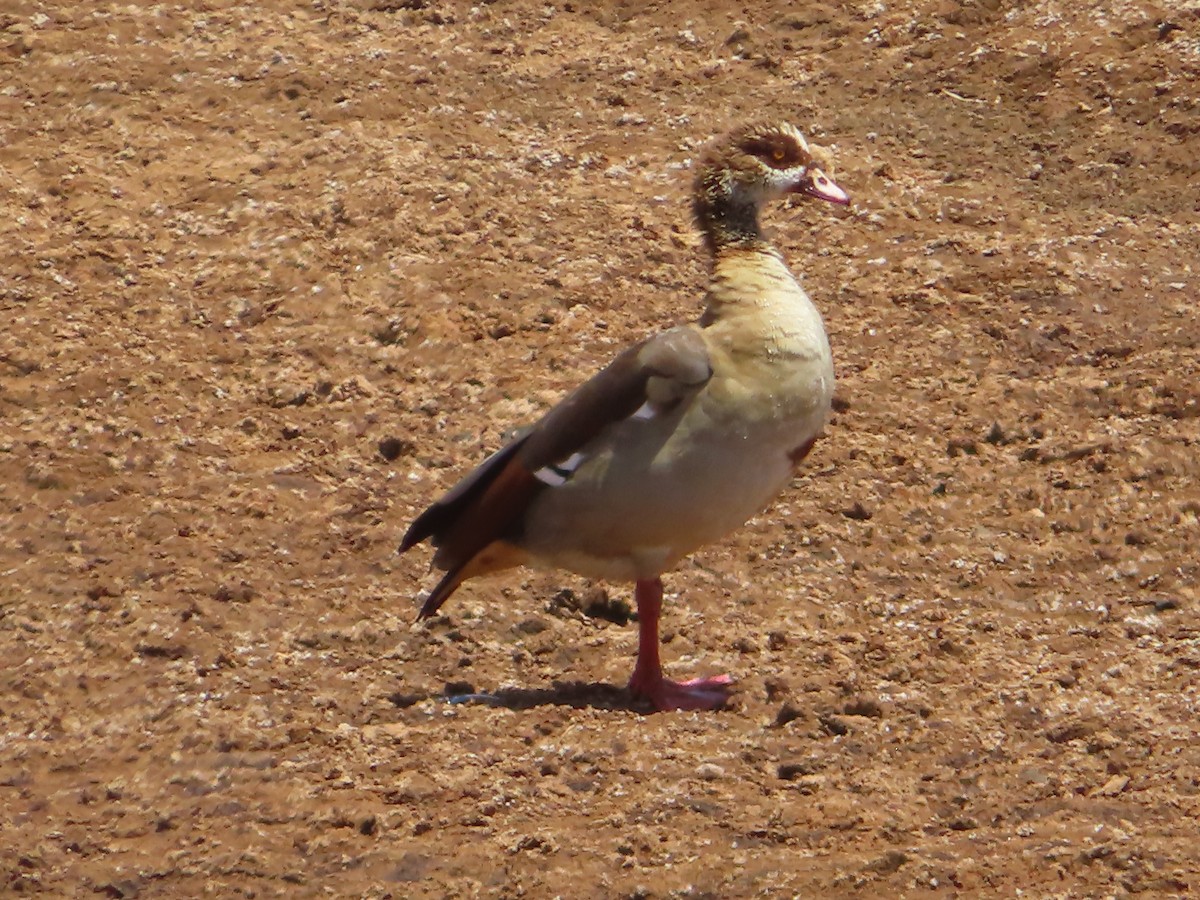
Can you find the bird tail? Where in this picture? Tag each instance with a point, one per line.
(495, 556)
(442, 591)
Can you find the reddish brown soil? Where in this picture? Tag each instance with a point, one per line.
(245, 247)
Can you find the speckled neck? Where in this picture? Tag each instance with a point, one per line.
(727, 220)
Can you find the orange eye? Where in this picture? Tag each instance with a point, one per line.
(777, 154)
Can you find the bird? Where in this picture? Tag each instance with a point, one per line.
(678, 441)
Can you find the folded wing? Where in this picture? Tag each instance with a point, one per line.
(474, 526)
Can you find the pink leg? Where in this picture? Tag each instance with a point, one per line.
(648, 680)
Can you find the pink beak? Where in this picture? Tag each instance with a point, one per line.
(817, 184)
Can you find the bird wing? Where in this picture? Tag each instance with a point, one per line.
(471, 524)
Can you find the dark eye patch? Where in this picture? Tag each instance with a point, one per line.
(776, 150)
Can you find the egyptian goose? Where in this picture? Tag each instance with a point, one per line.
(681, 439)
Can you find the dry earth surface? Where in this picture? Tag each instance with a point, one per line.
(275, 274)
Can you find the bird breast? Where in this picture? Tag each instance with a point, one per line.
(653, 490)
(768, 346)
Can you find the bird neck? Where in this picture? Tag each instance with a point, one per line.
(754, 284)
(728, 221)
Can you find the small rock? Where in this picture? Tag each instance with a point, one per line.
(833, 724)
(710, 772)
(501, 330)
(857, 512)
(864, 706)
(258, 164)
(776, 688)
(788, 713)
(745, 645)
(737, 36)
(1103, 851)
(42, 477)
(794, 770)
(282, 395)
(351, 389)
(233, 593)
(808, 17)
(1134, 629)
(957, 446)
(1068, 731)
(532, 625)
(118, 889)
(393, 332)
(160, 651)
(1066, 679)
(390, 448)
(890, 862)
(595, 604)
(809, 784)
(531, 842)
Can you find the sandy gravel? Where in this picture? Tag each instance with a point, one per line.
(274, 275)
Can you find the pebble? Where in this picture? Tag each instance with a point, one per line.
(1114, 786)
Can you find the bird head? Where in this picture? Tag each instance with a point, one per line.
(761, 162)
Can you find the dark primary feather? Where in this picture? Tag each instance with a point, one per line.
(444, 511)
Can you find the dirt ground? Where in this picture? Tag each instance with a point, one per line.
(274, 275)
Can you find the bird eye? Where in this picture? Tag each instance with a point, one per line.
(777, 154)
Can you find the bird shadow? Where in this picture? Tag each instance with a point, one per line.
(575, 694)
